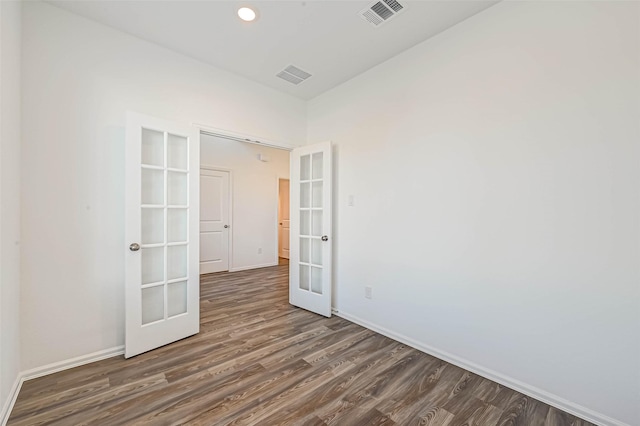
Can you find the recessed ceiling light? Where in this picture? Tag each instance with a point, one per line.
(246, 14)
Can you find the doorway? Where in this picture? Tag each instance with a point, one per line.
(251, 239)
(283, 218)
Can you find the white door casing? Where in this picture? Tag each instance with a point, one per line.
(310, 242)
(161, 233)
(283, 218)
(215, 224)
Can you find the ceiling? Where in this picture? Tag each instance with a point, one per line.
(328, 39)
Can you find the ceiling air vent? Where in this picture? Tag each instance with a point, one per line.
(293, 74)
(381, 11)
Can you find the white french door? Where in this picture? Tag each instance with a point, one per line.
(310, 245)
(162, 200)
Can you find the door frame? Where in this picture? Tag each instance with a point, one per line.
(210, 130)
(278, 179)
(230, 233)
(241, 137)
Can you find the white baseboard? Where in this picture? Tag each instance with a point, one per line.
(11, 400)
(246, 268)
(532, 391)
(50, 369)
(72, 362)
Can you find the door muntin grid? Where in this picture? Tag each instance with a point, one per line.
(164, 225)
(311, 223)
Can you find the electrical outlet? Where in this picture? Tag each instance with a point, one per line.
(259, 250)
(367, 292)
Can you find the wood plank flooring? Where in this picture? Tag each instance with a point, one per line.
(258, 360)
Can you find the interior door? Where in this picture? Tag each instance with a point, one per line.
(214, 221)
(283, 219)
(310, 247)
(161, 230)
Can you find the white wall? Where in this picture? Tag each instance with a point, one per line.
(498, 162)
(79, 79)
(10, 24)
(496, 177)
(255, 196)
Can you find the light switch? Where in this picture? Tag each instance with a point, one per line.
(351, 200)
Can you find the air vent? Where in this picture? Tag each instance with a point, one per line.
(293, 74)
(381, 11)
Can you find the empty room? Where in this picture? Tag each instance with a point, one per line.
(349, 212)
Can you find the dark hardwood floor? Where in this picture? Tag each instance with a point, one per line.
(258, 360)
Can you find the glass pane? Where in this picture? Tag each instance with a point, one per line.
(177, 152)
(304, 277)
(152, 226)
(176, 262)
(152, 187)
(152, 304)
(152, 265)
(305, 222)
(304, 250)
(177, 225)
(305, 167)
(305, 195)
(317, 194)
(316, 280)
(152, 147)
(317, 165)
(177, 188)
(316, 228)
(176, 298)
(316, 252)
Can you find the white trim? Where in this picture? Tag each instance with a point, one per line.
(278, 179)
(215, 168)
(246, 268)
(11, 400)
(241, 137)
(55, 367)
(278, 217)
(72, 362)
(517, 385)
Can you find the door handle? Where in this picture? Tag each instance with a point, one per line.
(226, 226)
(325, 238)
(134, 247)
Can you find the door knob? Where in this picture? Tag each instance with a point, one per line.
(134, 247)
(226, 226)
(325, 238)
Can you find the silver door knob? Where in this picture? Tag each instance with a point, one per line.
(226, 226)
(134, 247)
(325, 238)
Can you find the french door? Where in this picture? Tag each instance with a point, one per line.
(162, 200)
(310, 245)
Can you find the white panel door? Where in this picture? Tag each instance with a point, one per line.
(161, 229)
(214, 221)
(310, 246)
(283, 220)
